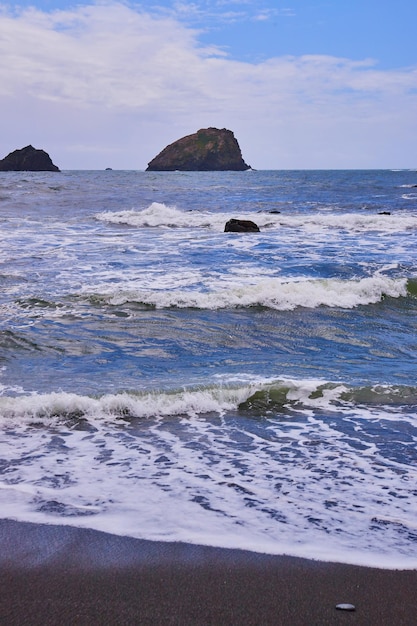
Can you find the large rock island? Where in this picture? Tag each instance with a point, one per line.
(209, 149)
(28, 159)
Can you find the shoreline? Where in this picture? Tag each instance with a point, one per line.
(68, 575)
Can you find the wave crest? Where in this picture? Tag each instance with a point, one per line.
(160, 215)
(270, 293)
(256, 397)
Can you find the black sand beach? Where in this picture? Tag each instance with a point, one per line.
(63, 575)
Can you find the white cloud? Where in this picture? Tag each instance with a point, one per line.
(106, 85)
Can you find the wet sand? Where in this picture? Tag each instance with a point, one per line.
(57, 575)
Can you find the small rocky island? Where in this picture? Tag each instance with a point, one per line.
(209, 149)
(28, 159)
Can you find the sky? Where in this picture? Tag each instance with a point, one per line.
(303, 84)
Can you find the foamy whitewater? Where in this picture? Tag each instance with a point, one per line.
(165, 380)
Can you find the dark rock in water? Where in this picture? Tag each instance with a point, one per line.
(109, 169)
(241, 226)
(28, 159)
(209, 149)
(384, 213)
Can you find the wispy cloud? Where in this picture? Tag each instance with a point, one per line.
(107, 80)
(266, 15)
(212, 13)
(204, 15)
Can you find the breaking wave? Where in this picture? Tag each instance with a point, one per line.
(160, 215)
(260, 397)
(272, 293)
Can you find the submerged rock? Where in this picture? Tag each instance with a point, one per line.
(209, 149)
(28, 159)
(241, 226)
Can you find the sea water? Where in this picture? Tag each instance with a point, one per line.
(163, 379)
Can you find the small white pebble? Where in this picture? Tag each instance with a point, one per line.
(345, 607)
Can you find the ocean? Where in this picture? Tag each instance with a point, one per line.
(165, 380)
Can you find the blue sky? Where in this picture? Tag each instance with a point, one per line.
(303, 84)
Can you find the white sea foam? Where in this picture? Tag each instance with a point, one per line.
(274, 293)
(162, 215)
(301, 484)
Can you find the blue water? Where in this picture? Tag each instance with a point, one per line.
(162, 379)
